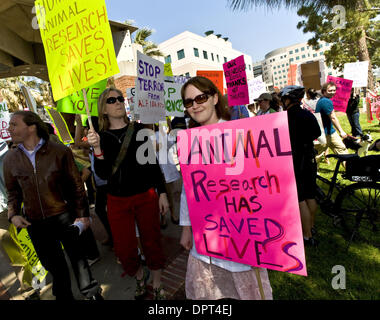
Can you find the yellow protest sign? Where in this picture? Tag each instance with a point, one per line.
(60, 124)
(168, 70)
(78, 43)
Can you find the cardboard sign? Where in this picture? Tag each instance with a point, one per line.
(215, 76)
(311, 75)
(343, 92)
(78, 44)
(236, 80)
(173, 100)
(357, 72)
(4, 121)
(60, 125)
(256, 86)
(75, 102)
(241, 192)
(150, 101)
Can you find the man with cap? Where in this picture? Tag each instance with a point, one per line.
(264, 103)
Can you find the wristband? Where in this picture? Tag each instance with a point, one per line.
(98, 155)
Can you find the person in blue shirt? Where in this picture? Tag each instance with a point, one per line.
(330, 122)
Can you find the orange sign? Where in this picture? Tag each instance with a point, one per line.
(215, 76)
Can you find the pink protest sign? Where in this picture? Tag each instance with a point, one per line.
(236, 81)
(241, 192)
(343, 92)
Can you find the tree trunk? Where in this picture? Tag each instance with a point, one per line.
(363, 55)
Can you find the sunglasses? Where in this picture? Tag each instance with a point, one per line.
(112, 100)
(202, 98)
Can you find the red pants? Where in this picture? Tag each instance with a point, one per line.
(143, 209)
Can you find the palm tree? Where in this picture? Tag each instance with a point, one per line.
(149, 47)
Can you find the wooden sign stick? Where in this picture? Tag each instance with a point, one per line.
(87, 109)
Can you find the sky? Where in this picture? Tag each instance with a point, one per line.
(255, 32)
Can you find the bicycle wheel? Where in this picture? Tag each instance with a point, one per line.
(359, 207)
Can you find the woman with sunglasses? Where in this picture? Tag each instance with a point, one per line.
(207, 277)
(131, 194)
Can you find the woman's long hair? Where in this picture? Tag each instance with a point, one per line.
(103, 120)
(207, 86)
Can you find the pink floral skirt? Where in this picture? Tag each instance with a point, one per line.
(209, 282)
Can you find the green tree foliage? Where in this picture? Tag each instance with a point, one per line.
(357, 40)
(149, 47)
(344, 31)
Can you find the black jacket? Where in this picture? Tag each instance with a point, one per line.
(132, 177)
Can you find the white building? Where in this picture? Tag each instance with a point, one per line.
(188, 52)
(277, 62)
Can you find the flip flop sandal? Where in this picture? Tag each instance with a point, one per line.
(141, 285)
(159, 293)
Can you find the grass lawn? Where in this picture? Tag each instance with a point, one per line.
(361, 260)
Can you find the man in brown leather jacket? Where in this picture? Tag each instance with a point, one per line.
(43, 176)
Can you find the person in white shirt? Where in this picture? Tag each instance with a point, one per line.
(209, 278)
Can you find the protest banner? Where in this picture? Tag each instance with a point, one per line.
(215, 76)
(78, 45)
(343, 92)
(292, 75)
(357, 72)
(25, 255)
(60, 125)
(241, 192)
(168, 70)
(173, 100)
(131, 101)
(256, 86)
(150, 101)
(75, 102)
(310, 73)
(4, 121)
(236, 81)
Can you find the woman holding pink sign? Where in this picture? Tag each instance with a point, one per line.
(208, 277)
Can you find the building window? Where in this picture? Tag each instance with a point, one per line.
(296, 50)
(249, 67)
(212, 56)
(291, 52)
(225, 59)
(187, 74)
(297, 58)
(303, 49)
(205, 54)
(181, 54)
(321, 53)
(314, 55)
(196, 52)
(168, 59)
(303, 56)
(291, 59)
(217, 57)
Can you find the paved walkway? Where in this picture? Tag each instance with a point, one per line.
(108, 271)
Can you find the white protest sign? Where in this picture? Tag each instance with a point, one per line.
(4, 121)
(131, 100)
(173, 100)
(358, 72)
(150, 102)
(256, 86)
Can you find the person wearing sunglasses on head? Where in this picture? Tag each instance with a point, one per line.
(209, 278)
(131, 194)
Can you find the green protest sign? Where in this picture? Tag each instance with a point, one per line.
(75, 103)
